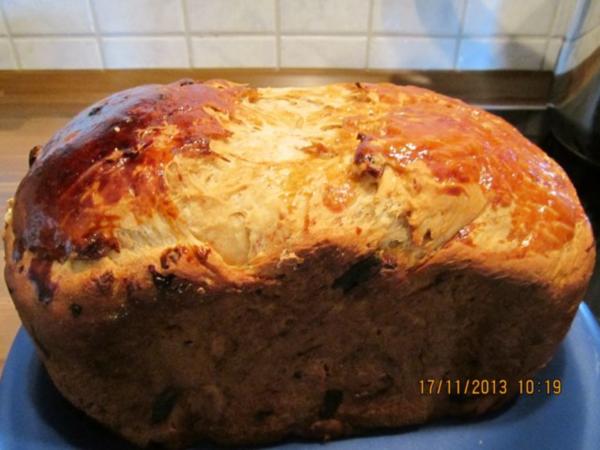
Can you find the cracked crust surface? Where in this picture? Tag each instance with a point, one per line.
(209, 260)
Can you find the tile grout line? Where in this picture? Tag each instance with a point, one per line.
(97, 34)
(459, 36)
(277, 35)
(581, 43)
(188, 35)
(569, 39)
(549, 38)
(11, 43)
(590, 31)
(578, 19)
(342, 34)
(369, 34)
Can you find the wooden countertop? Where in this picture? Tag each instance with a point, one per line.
(18, 133)
(34, 104)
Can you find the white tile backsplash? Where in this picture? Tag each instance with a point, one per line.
(509, 17)
(58, 53)
(323, 51)
(378, 34)
(591, 17)
(207, 16)
(567, 16)
(139, 16)
(552, 52)
(301, 16)
(412, 53)
(234, 51)
(34, 17)
(7, 60)
(424, 17)
(499, 53)
(577, 51)
(138, 52)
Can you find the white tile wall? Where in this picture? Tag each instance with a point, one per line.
(567, 18)
(323, 51)
(139, 52)
(412, 53)
(139, 16)
(376, 34)
(234, 51)
(552, 52)
(582, 37)
(302, 16)
(2, 26)
(575, 52)
(591, 17)
(497, 53)
(48, 16)
(7, 61)
(231, 15)
(58, 53)
(423, 17)
(509, 17)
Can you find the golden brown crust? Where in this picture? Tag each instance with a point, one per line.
(180, 252)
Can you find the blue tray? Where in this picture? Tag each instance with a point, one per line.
(33, 415)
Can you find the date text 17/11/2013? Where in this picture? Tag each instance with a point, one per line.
(490, 386)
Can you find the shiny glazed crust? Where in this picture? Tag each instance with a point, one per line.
(212, 261)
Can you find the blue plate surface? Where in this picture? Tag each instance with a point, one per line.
(33, 415)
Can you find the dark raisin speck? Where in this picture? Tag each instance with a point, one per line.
(40, 274)
(389, 263)
(75, 309)
(130, 153)
(163, 405)
(18, 250)
(331, 402)
(33, 154)
(104, 282)
(169, 282)
(95, 110)
(358, 273)
(263, 414)
(160, 281)
(97, 246)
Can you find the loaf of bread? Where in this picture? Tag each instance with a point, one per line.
(210, 261)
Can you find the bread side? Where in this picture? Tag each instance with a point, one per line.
(242, 265)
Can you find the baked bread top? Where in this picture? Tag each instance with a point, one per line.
(239, 179)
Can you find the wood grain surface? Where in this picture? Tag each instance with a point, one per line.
(18, 133)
